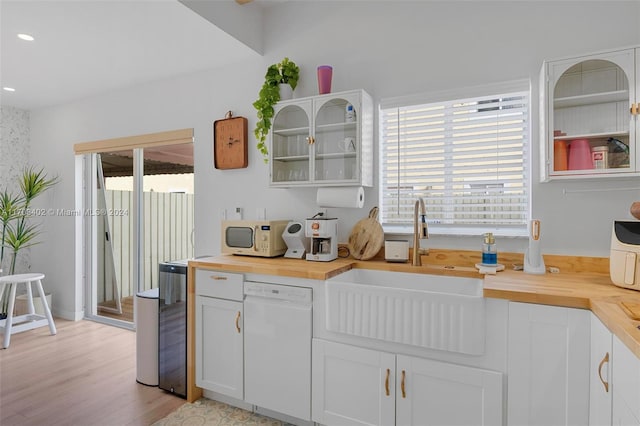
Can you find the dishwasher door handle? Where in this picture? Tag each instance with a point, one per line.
(238, 322)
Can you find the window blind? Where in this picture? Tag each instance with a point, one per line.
(467, 158)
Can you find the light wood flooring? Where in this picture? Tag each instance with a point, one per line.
(84, 375)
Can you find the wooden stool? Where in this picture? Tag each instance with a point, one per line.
(12, 324)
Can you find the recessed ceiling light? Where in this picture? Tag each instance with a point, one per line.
(9, 89)
(25, 37)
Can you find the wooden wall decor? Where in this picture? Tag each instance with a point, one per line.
(230, 143)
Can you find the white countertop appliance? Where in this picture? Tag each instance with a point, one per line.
(297, 243)
(324, 238)
(253, 237)
(624, 260)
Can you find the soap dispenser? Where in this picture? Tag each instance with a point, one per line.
(533, 261)
(489, 250)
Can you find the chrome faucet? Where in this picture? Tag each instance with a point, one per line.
(420, 231)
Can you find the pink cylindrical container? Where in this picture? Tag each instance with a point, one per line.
(325, 72)
(580, 155)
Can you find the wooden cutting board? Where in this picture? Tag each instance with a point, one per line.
(367, 236)
(632, 309)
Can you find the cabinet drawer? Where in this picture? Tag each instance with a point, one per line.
(219, 284)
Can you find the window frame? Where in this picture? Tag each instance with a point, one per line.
(523, 85)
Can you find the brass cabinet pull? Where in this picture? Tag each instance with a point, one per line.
(605, 359)
(238, 322)
(310, 140)
(404, 393)
(634, 109)
(218, 277)
(386, 382)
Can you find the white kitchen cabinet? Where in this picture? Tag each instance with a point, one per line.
(219, 346)
(548, 365)
(438, 393)
(595, 98)
(626, 385)
(357, 386)
(314, 143)
(600, 374)
(351, 385)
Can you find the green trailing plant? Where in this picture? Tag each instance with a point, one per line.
(17, 232)
(286, 72)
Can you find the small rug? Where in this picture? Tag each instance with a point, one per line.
(208, 412)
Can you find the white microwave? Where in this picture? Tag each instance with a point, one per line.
(254, 237)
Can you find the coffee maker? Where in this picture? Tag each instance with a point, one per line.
(324, 238)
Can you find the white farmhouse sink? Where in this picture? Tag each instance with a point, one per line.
(431, 311)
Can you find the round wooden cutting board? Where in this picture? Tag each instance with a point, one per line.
(367, 236)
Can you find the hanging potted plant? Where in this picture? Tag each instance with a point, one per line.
(17, 233)
(285, 73)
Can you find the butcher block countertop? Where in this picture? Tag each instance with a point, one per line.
(581, 282)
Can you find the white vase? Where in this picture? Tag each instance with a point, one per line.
(286, 92)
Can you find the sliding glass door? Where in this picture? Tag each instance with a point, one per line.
(138, 213)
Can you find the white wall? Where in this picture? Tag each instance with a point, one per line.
(388, 48)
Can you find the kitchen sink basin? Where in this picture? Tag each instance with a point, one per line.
(430, 311)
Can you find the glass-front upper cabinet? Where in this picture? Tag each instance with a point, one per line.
(589, 116)
(324, 140)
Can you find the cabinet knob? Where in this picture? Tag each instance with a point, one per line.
(310, 140)
(604, 360)
(634, 109)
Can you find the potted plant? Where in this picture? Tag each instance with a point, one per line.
(285, 72)
(17, 232)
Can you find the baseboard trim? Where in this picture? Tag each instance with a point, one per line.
(68, 315)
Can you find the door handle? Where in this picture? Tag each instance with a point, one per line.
(604, 360)
(404, 393)
(238, 322)
(386, 382)
(218, 277)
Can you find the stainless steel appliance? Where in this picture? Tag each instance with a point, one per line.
(624, 260)
(254, 237)
(277, 343)
(172, 327)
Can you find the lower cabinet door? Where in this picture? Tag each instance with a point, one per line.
(600, 374)
(352, 386)
(548, 365)
(622, 413)
(437, 393)
(626, 385)
(219, 346)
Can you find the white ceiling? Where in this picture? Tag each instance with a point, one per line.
(84, 48)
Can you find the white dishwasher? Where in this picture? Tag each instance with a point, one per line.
(277, 347)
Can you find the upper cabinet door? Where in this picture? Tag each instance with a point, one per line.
(290, 142)
(324, 140)
(337, 138)
(589, 123)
